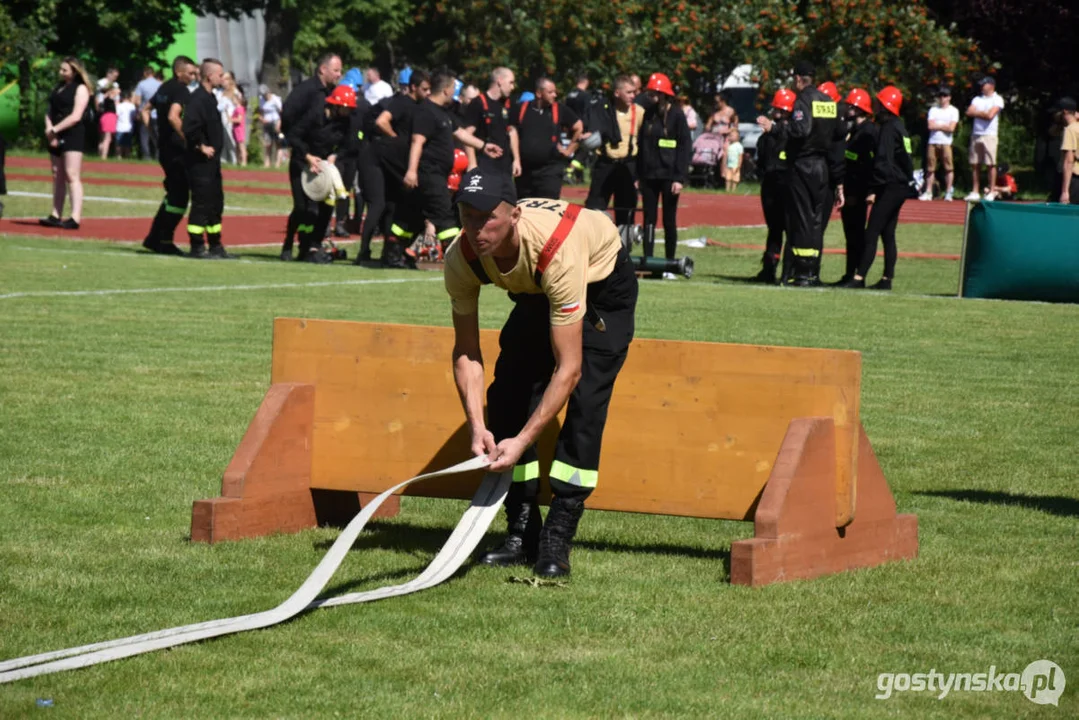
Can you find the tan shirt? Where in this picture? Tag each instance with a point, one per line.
(1070, 141)
(629, 123)
(588, 255)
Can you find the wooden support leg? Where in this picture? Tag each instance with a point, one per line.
(796, 536)
(267, 485)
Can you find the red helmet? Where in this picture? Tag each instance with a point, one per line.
(342, 95)
(784, 100)
(859, 98)
(891, 98)
(660, 83)
(830, 90)
(460, 160)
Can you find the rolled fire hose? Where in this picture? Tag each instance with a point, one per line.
(464, 539)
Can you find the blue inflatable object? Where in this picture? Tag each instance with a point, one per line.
(526, 97)
(353, 78)
(404, 76)
(457, 87)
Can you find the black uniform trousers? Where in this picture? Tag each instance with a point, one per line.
(826, 210)
(379, 210)
(207, 201)
(346, 165)
(309, 219)
(854, 213)
(773, 196)
(526, 363)
(177, 193)
(541, 181)
(807, 185)
(651, 192)
(883, 219)
(429, 200)
(614, 177)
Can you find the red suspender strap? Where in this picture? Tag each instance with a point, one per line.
(561, 232)
(483, 101)
(473, 261)
(554, 116)
(521, 116)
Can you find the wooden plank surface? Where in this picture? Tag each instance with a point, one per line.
(693, 429)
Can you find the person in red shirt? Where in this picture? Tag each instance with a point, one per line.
(1006, 187)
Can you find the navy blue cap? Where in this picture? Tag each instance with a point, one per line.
(486, 189)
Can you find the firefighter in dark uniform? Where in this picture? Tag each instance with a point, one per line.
(384, 186)
(574, 290)
(205, 136)
(809, 137)
(539, 124)
(319, 137)
(889, 188)
(662, 164)
(488, 118)
(304, 107)
(430, 162)
(772, 167)
(169, 101)
(859, 155)
(615, 169)
(834, 197)
(348, 158)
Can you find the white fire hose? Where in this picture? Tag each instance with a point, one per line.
(468, 533)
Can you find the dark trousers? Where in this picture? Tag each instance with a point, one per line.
(651, 192)
(346, 165)
(379, 211)
(826, 210)
(543, 181)
(309, 219)
(524, 368)
(772, 203)
(148, 140)
(612, 177)
(207, 201)
(883, 219)
(177, 192)
(854, 215)
(807, 185)
(430, 200)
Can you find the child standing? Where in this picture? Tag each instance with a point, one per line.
(733, 172)
(125, 125)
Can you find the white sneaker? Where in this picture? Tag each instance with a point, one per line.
(669, 276)
(925, 197)
(991, 196)
(973, 196)
(948, 196)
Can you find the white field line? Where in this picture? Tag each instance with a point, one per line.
(126, 201)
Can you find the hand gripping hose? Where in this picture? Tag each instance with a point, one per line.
(468, 533)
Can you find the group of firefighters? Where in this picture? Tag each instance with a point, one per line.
(820, 152)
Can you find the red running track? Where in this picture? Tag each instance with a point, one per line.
(694, 208)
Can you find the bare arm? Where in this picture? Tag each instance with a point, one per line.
(1067, 167)
(470, 151)
(515, 148)
(383, 123)
(176, 120)
(468, 376)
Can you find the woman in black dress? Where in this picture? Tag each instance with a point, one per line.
(65, 131)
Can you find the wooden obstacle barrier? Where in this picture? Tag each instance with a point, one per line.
(739, 432)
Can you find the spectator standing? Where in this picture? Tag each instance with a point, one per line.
(239, 124)
(125, 125)
(145, 91)
(108, 120)
(985, 109)
(943, 119)
(65, 131)
(1069, 153)
(693, 120)
(376, 88)
(723, 119)
(226, 107)
(735, 152)
(270, 117)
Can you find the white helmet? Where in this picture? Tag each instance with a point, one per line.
(592, 142)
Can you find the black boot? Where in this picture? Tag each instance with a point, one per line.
(522, 535)
(339, 229)
(805, 273)
(556, 538)
(767, 275)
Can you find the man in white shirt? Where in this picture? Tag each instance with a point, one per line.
(376, 88)
(943, 119)
(985, 109)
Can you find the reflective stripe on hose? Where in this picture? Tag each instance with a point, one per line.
(468, 533)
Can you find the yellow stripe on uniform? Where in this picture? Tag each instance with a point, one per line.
(399, 231)
(806, 252)
(824, 109)
(197, 229)
(574, 476)
(906, 145)
(526, 472)
(175, 210)
(851, 155)
(450, 233)
(210, 229)
(667, 143)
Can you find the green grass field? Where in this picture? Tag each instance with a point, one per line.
(127, 380)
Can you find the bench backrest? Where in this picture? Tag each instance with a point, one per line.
(693, 429)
